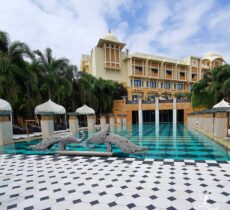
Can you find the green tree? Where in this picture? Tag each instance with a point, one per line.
(16, 78)
(26, 83)
(50, 71)
(214, 86)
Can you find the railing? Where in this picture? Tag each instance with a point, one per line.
(148, 101)
(178, 100)
(194, 79)
(167, 76)
(182, 77)
(132, 102)
(166, 101)
(139, 73)
(153, 75)
(183, 100)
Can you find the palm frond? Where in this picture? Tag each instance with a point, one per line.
(4, 42)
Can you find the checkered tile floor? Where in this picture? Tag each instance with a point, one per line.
(79, 183)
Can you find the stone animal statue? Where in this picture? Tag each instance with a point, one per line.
(108, 139)
(62, 139)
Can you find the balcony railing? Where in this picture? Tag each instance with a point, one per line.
(182, 78)
(148, 101)
(183, 100)
(132, 102)
(194, 79)
(139, 73)
(154, 74)
(168, 76)
(178, 100)
(166, 101)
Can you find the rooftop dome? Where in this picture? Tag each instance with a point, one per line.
(110, 37)
(212, 56)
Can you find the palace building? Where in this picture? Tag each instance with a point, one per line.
(146, 76)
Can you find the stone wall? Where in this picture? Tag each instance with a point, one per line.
(6, 133)
(214, 125)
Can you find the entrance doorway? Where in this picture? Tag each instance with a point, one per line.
(180, 116)
(134, 117)
(166, 116)
(148, 116)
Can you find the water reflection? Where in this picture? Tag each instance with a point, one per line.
(157, 130)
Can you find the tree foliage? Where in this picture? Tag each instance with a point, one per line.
(214, 86)
(28, 78)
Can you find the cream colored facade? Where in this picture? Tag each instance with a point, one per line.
(143, 74)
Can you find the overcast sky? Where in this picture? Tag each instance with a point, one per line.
(73, 27)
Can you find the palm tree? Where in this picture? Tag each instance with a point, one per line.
(13, 69)
(50, 69)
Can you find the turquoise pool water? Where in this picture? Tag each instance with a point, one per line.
(164, 141)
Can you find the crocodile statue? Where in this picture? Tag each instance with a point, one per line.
(61, 139)
(104, 136)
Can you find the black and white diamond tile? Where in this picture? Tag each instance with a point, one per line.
(49, 182)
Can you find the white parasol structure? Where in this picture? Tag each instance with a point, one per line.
(50, 106)
(222, 104)
(85, 110)
(4, 105)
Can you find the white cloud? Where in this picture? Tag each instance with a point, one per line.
(183, 28)
(70, 28)
(141, 39)
(73, 27)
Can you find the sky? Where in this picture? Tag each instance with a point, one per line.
(171, 28)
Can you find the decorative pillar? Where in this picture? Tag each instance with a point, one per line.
(174, 111)
(47, 124)
(119, 119)
(111, 120)
(140, 111)
(124, 98)
(157, 110)
(124, 119)
(73, 123)
(220, 125)
(6, 132)
(103, 121)
(91, 123)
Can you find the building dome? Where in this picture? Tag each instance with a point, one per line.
(212, 56)
(110, 37)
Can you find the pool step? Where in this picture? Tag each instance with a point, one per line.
(85, 153)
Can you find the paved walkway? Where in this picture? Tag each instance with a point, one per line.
(79, 183)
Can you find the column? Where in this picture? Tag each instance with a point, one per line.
(174, 111)
(220, 125)
(208, 124)
(124, 122)
(91, 124)
(140, 134)
(47, 124)
(157, 110)
(140, 111)
(119, 119)
(73, 123)
(111, 120)
(103, 121)
(6, 132)
(124, 119)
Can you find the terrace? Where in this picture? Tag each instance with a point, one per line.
(48, 182)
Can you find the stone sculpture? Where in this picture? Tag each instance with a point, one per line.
(62, 139)
(108, 139)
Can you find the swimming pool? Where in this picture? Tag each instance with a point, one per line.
(164, 141)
